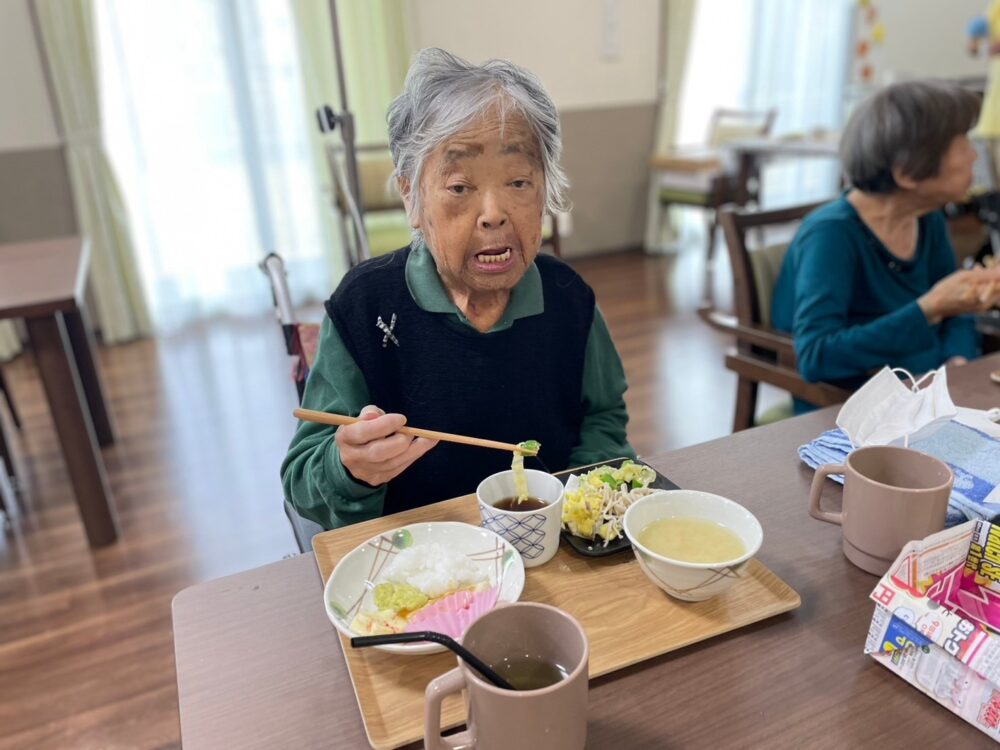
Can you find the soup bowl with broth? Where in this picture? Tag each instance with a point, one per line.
(693, 545)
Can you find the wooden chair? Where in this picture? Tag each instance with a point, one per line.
(301, 340)
(705, 177)
(6, 457)
(386, 225)
(761, 354)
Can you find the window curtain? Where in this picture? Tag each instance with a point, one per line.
(790, 55)
(209, 130)
(68, 39)
(376, 46)
(679, 19)
(376, 49)
(799, 68)
(212, 128)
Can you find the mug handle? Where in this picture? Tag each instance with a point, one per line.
(817, 489)
(437, 689)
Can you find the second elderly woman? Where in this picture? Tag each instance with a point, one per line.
(870, 279)
(468, 330)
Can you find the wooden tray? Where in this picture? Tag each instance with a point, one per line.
(626, 617)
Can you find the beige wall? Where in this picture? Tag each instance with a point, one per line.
(598, 60)
(559, 40)
(927, 37)
(26, 120)
(35, 196)
(36, 200)
(606, 153)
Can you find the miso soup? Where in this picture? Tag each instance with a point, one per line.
(693, 540)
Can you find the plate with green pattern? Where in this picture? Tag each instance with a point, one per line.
(350, 591)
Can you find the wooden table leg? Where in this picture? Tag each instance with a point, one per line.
(64, 391)
(82, 341)
(747, 165)
(6, 470)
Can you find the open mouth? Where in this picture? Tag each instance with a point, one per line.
(494, 255)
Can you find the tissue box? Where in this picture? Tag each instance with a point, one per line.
(936, 619)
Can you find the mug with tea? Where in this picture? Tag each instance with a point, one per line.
(543, 653)
(892, 496)
(531, 525)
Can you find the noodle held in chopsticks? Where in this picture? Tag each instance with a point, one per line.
(531, 447)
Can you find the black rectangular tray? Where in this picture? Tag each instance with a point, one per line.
(596, 548)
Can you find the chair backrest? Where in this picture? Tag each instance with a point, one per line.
(550, 233)
(727, 125)
(274, 268)
(755, 271)
(301, 339)
(303, 529)
(984, 171)
(375, 169)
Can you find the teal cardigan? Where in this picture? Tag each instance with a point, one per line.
(851, 305)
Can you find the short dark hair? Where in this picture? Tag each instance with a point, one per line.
(908, 126)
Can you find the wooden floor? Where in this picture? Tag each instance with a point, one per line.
(203, 420)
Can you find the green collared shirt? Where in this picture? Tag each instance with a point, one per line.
(314, 478)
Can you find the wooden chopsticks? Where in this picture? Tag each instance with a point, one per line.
(322, 417)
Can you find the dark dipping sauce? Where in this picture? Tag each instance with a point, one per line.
(511, 503)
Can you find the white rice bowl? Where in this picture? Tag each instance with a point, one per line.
(433, 557)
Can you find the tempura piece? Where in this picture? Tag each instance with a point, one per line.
(595, 509)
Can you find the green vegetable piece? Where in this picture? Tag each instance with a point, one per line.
(398, 596)
(530, 447)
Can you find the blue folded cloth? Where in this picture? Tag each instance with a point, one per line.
(973, 456)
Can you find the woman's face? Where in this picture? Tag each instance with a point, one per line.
(954, 177)
(482, 197)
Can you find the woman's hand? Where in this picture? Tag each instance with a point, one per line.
(962, 292)
(373, 451)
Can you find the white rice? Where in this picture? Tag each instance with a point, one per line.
(434, 569)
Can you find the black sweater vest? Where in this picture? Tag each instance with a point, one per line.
(523, 383)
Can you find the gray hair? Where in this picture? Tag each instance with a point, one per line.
(907, 126)
(443, 94)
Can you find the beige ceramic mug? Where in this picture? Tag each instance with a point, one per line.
(552, 717)
(891, 496)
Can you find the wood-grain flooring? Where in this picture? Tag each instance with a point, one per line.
(203, 419)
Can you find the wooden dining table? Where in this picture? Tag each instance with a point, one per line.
(751, 154)
(260, 666)
(43, 282)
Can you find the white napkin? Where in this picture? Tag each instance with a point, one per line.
(886, 411)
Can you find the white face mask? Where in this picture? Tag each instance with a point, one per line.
(886, 411)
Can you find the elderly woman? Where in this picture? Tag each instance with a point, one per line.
(468, 330)
(870, 279)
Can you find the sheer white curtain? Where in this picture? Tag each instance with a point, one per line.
(790, 55)
(208, 130)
